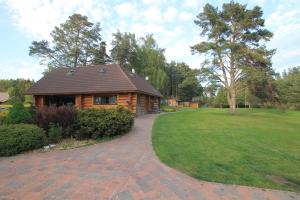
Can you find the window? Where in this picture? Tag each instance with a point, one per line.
(105, 100)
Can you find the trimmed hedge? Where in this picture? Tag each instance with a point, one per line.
(99, 123)
(18, 138)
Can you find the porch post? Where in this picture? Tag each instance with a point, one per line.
(39, 101)
(78, 101)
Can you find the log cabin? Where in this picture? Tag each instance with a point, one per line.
(96, 86)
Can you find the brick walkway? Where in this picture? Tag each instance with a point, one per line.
(124, 168)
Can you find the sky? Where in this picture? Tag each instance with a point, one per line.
(170, 21)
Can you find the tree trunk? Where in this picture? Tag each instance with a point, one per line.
(233, 100)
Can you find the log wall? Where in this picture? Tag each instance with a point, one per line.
(127, 100)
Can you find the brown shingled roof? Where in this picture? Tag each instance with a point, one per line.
(4, 97)
(91, 79)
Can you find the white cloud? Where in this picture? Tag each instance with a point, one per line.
(152, 2)
(21, 69)
(285, 24)
(186, 16)
(142, 29)
(170, 14)
(38, 18)
(191, 3)
(152, 14)
(170, 21)
(125, 9)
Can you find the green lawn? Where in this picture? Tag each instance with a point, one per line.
(257, 147)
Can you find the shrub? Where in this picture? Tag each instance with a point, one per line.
(99, 123)
(18, 138)
(3, 114)
(63, 116)
(54, 133)
(18, 114)
(168, 109)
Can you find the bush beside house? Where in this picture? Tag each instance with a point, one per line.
(54, 133)
(17, 138)
(65, 117)
(55, 123)
(99, 123)
(18, 114)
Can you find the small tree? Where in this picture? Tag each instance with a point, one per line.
(220, 98)
(15, 93)
(235, 45)
(18, 114)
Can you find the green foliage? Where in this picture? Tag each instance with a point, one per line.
(220, 98)
(99, 123)
(152, 62)
(18, 138)
(18, 114)
(146, 58)
(77, 42)
(124, 49)
(168, 109)
(3, 114)
(54, 133)
(16, 89)
(235, 45)
(183, 83)
(289, 88)
(242, 149)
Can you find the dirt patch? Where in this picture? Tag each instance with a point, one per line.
(283, 181)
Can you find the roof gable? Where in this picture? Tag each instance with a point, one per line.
(4, 97)
(91, 79)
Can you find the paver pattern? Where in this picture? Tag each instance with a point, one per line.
(125, 168)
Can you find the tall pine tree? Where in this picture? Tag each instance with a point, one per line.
(235, 44)
(77, 42)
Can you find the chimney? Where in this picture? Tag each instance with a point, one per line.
(133, 71)
(147, 78)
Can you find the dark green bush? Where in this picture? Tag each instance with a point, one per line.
(54, 133)
(99, 123)
(18, 138)
(18, 114)
(3, 114)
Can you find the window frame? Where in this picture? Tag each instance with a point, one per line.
(106, 96)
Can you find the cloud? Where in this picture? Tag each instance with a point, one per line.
(170, 14)
(191, 3)
(171, 22)
(38, 18)
(152, 14)
(153, 2)
(125, 9)
(21, 69)
(284, 21)
(186, 16)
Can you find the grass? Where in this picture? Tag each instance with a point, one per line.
(257, 147)
(7, 106)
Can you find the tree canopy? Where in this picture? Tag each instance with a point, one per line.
(234, 45)
(289, 87)
(16, 89)
(77, 42)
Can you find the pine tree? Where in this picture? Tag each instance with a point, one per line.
(77, 42)
(235, 44)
